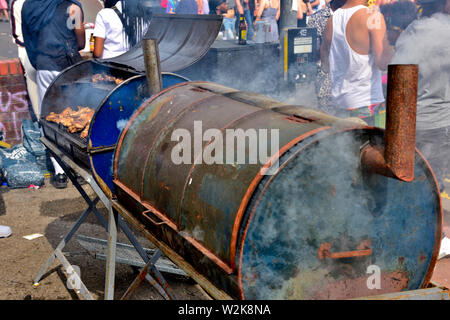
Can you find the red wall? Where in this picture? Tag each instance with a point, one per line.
(13, 100)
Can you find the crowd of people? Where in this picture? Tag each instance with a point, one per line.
(267, 11)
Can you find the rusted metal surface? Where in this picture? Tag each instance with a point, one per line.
(396, 158)
(401, 103)
(171, 254)
(363, 250)
(257, 236)
(152, 65)
(159, 183)
(346, 288)
(321, 215)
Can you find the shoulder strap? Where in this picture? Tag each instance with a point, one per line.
(119, 14)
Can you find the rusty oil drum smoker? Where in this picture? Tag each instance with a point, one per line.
(309, 231)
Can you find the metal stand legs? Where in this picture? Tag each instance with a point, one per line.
(114, 223)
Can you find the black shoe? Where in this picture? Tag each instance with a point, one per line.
(59, 181)
(80, 179)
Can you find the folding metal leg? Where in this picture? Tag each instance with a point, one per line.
(155, 278)
(151, 273)
(150, 268)
(57, 253)
(63, 243)
(114, 222)
(111, 256)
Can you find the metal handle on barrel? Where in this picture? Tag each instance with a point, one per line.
(145, 214)
(363, 250)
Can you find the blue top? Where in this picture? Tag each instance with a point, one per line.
(48, 39)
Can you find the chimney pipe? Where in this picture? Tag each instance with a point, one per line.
(152, 65)
(396, 158)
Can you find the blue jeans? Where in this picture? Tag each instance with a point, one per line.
(248, 18)
(435, 146)
(228, 25)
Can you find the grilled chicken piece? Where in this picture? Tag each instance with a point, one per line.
(85, 132)
(80, 119)
(77, 125)
(75, 121)
(97, 78)
(67, 111)
(109, 78)
(105, 78)
(66, 121)
(53, 117)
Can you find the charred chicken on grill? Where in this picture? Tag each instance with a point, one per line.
(74, 120)
(106, 78)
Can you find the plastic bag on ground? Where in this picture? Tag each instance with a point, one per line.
(31, 135)
(23, 174)
(19, 168)
(14, 155)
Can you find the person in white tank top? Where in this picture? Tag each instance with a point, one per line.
(355, 50)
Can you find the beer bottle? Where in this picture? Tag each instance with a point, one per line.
(91, 43)
(242, 31)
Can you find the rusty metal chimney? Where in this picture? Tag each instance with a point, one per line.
(152, 65)
(396, 158)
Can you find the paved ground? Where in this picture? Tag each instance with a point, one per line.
(8, 49)
(52, 212)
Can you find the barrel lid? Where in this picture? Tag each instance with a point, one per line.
(323, 229)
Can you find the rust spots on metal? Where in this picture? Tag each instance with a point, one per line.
(396, 158)
(333, 190)
(199, 89)
(133, 117)
(208, 253)
(298, 119)
(400, 136)
(171, 254)
(159, 215)
(158, 107)
(439, 224)
(363, 250)
(357, 287)
(254, 185)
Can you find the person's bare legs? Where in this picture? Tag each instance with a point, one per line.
(5, 13)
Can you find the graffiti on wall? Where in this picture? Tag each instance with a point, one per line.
(13, 108)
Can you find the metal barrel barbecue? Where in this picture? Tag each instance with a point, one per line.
(113, 104)
(182, 40)
(313, 225)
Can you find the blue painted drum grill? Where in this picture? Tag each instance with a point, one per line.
(113, 104)
(323, 197)
(111, 118)
(318, 228)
